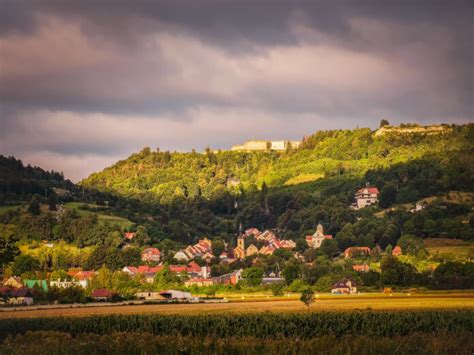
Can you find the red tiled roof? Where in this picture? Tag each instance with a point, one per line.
(130, 235)
(153, 251)
(371, 190)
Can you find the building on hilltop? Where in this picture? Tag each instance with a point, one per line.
(260, 145)
(366, 196)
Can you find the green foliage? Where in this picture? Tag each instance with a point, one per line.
(259, 325)
(396, 273)
(34, 206)
(24, 264)
(252, 276)
(307, 296)
(131, 342)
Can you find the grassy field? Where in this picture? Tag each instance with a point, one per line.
(122, 222)
(6, 208)
(443, 246)
(273, 304)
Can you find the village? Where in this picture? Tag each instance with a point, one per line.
(192, 268)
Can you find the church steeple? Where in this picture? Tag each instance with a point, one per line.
(241, 242)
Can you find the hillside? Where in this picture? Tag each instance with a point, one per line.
(160, 176)
(19, 182)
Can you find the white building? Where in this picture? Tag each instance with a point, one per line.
(366, 196)
(314, 241)
(181, 255)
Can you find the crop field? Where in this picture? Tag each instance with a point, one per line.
(428, 324)
(278, 305)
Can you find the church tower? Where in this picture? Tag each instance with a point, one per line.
(319, 230)
(241, 242)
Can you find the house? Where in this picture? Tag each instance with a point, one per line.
(83, 277)
(314, 241)
(65, 284)
(224, 255)
(251, 250)
(356, 251)
(207, 257)
(360, 268)
(42, 284)
(21, 296)
(252, 231)
(130, 235)
(16, 296)
(344, 286)
(267, 249)
(397, 251)
(13, 282)
(272, 278)
(200, 282)
(149, 296)
(181, 256)
(102, 294)
(175, 295)
(287, 244)
(151, 255)
(366, 196)
(229, 279)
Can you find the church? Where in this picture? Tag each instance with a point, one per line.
(314, 241)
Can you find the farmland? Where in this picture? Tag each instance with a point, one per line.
(405, 331)
(239, 305)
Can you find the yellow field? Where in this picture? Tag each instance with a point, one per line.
(323, 303)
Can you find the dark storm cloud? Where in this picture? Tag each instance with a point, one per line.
(92, 80)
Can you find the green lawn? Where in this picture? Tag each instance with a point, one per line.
(122, 222)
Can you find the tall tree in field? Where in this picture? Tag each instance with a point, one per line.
(307, 297)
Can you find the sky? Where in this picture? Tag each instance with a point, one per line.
(86, 83)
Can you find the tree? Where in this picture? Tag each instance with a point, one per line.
(307, 297)
(8, 251)
(24, 263)
(142, 237)
(329, 247)
(291, 272)
(396, 273)
(34, 206)
(52, 201)
(384, 122)
(410, 244)
(387, 195)
(252, 276)
(277, 288)
(218, 247)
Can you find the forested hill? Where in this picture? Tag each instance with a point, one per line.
(157, 176)
(19, 182)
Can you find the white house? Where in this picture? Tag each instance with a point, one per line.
(181, 255)
(366, 196)
(65, 284)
